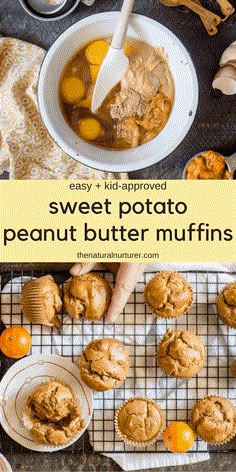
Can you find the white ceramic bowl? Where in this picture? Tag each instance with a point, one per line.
(185, 103)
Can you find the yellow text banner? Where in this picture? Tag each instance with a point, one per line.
(109, 220)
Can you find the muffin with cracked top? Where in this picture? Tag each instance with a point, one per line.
(87, 297)
(214, 420)
(104, 364)
(181, 353)
(168, 295)
(139, 421)
(226, 305)
(41, 301)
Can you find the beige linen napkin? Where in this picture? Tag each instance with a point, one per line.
(26, 149)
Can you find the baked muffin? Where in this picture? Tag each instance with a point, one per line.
(87, 296)
(139, 422)
(41, 301)
(181, 353)
(214, 420)
(168, 294)
(52, 413)
(208, 165)
(226, 305)
(104, 364)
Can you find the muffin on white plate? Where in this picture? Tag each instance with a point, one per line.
(52, 413)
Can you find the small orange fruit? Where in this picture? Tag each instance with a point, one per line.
(178, 437)
(15, 342)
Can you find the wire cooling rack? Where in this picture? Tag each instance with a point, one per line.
(141, 332)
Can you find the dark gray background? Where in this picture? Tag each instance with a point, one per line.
(215, 123)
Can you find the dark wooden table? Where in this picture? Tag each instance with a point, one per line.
(80, 456)
(215, 123)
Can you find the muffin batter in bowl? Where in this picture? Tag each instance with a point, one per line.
(134, 112)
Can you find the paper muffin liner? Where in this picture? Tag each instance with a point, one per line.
(33, 304)
(178, 376)
(227, 323)
(229, 437)
(167, 317)
(139, 443)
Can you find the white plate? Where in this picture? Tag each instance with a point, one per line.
(4, 464)
(22, 378)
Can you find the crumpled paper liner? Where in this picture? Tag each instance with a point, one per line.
(26, 149)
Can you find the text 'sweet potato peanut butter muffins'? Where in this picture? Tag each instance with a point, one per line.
(139, 422)
(104, 364)
(214, 420)
(52, 413)
(226, 305)
(87, 296)
(168, 295)
(181, 353)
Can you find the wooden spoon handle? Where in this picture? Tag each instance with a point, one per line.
(226, 7)
(122, 26)
(203, 12)
(210, 27)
